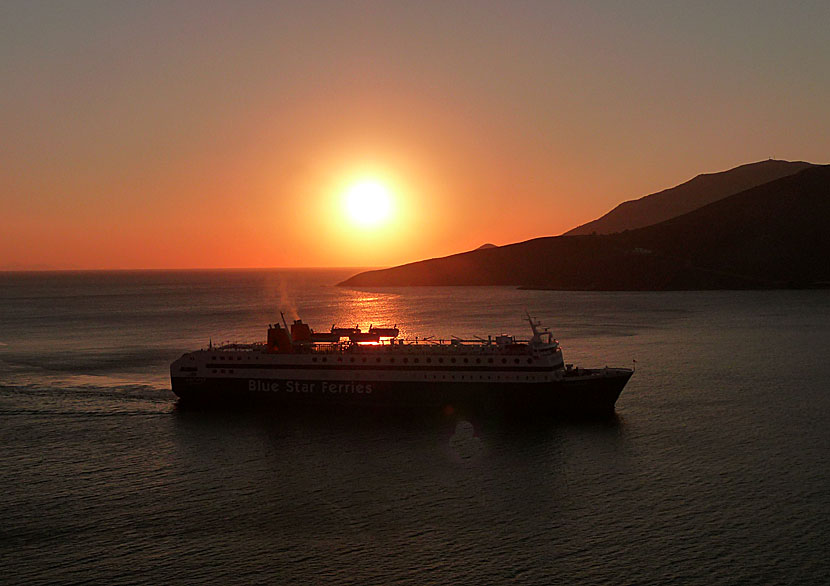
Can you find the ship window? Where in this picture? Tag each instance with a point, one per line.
(391, 360)
(230, 371)
(363, 359)
(405, 360)
(214, 371)
(429, 360)
(516, 360)
(478, 360)
(466, 361)
(314, 359)
(324, 358)
(377, 360)
(221, 358)
(416, 361)
(339, 359)
(504, 360)
(351, 359)
(441, 360)
(489, 361)
(530, 360)
(452, 360)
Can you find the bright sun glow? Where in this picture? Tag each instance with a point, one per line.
(368, 203)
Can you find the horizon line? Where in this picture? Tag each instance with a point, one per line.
(182, 269)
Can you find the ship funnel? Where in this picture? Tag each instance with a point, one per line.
(278, 340)
(300, 332)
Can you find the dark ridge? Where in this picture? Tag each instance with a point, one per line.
(686, 197)
(771, 236)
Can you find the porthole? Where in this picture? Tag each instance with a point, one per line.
(351, 359)
(530, 360)
(339, 359)
(466, 361)
(478, 360)
(377, 359)
(504, 360)
(441, 360)
(391, 360)
(429, 360)
(405, 360)
(452, 360)
(324, 359)
(363, 359)
(516, 360)
(416, 361)
(489, 361)
(314, 359)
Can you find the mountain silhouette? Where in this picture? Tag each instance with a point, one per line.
(691, 195)
(770, 236)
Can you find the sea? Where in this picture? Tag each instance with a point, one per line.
(715, 468)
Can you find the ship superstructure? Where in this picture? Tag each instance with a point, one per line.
(296, 365)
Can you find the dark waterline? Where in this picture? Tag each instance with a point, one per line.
(713, 469)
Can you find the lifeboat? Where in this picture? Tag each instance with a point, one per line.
(344, 332)
(359, 336)
(385, 332)
(324, 337)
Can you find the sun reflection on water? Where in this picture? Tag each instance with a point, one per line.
(361, 309)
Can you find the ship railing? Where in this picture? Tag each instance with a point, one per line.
(407, 346)
(398, 345)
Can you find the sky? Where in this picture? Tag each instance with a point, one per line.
(225, 134)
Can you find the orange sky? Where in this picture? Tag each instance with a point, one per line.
(223, 135)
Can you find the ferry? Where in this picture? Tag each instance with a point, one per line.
(296, 366)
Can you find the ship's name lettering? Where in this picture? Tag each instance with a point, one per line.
(346, 388)
(296, 386)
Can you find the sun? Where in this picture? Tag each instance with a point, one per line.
(368, 203)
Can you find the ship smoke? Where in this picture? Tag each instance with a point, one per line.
(279, 295)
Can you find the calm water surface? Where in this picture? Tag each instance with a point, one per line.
(714, 469)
